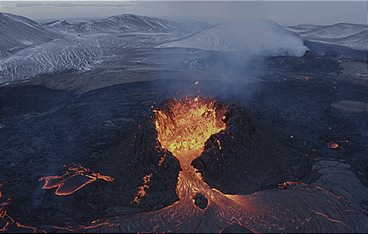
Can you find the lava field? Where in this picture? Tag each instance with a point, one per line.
(285, 153)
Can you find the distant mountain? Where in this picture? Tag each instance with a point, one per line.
(17, 32)
(126, 23)
(358, 41)
(302, 27)
(254, 37)
(194, 26)
(354, 36)
(59, 25)
(335, 31)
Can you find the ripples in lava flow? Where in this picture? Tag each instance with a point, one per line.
(183, 127)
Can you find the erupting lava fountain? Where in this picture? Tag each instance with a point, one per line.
(183, 127)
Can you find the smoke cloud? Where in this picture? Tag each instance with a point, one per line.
(263, 38)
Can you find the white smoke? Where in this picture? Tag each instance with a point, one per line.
(264, 38)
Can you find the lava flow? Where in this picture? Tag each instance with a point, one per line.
(8, 223)
(183, 128)
(75, 178)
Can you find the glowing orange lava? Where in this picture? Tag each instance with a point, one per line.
(333, 145)
(142, 189)
(185, 125)
(75, 178)
(8, 223)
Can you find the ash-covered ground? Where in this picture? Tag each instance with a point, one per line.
(285, 110)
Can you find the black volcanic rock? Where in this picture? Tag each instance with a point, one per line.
(200, 201)
(235, 228)
(242, 158)
(148, 159)
(137, 156)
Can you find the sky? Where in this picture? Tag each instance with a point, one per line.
(282, 12)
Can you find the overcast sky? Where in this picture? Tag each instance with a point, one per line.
(283, 12)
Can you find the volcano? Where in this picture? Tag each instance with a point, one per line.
(183, 128)
(220, 148)
(192, 164)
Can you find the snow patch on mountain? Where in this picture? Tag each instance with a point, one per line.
(73, 52)
(59, 25)
(17, 32)
(354, 36)
(57, 55)
(358, 41)
(125, 23)
(302, 28)
(194, 26)
(264, 38)
(335, 31)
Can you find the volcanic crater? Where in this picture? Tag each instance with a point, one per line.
(218, 146)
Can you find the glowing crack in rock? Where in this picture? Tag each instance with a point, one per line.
(142, 189)
(11, 225)
(75, 178)
(8, 223)
(95, 224)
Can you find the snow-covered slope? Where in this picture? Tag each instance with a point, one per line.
(77, 52)
(57, 55)
(125, 23)
(335, 31)
(358, 41)
(302, 28)
(264, 38)
(73, 52)
(194, 26)
(354, 36)
(17, 32)
(59, 25)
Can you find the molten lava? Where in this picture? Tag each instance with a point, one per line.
(183, 128)
(185, 125)
(8, 223)
(75, 178)
(142, 189)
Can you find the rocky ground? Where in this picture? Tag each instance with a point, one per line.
(101, 120)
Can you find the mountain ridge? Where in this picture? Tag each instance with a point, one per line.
(18, 32)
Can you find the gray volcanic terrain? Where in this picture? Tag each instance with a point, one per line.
(81, 150)
(18, 32)
(341, 39)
